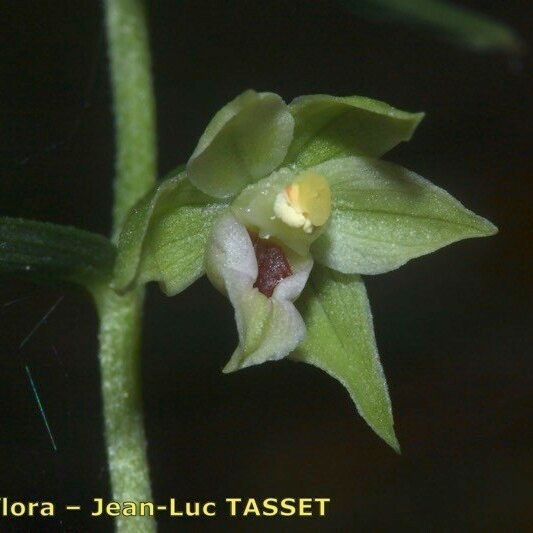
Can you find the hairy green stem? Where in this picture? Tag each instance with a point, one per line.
(119, 337)
(134, 104)
(120, 316)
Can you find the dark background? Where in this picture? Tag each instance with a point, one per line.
(452, 327)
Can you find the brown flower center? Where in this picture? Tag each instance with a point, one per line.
(272, 264)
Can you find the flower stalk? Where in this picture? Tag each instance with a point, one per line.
(120, 316)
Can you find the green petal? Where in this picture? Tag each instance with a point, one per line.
(333, 126)
(164, 237)
(340, 340)
(245, 141)
(254, 208)
(384, 215)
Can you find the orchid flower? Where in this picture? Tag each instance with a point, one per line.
(284, 207)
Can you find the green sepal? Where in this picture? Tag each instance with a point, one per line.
(340, 340)
(245, 141)
(47, 252)
(328, 127)
(383, 215)
(164, 237)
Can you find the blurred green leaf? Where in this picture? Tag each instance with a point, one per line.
(165, 235)
(333, 126)
(340, 340)
(465, 26)
(53, 253)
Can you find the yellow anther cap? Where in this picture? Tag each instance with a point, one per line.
(305, 203)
